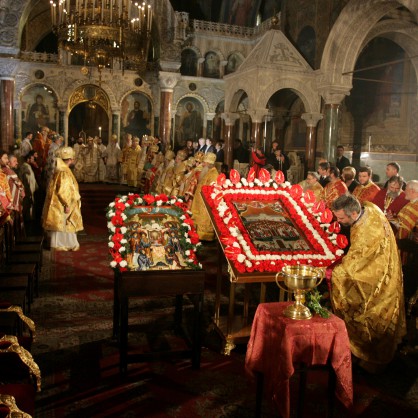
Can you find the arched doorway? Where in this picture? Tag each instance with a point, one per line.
(90, 118)
(89, 113)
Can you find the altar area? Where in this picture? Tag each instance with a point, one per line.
(264, 225)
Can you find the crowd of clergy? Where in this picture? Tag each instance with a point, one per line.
(377, 271)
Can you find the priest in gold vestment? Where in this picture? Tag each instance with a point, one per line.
(62, 215)
(200, 215)
(367, 286)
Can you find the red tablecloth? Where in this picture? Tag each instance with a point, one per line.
(276, 342)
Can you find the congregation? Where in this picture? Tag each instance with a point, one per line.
(50, 172)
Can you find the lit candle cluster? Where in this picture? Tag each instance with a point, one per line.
(136, 15)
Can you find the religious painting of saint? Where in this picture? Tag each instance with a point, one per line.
(211, 67)
(38, 109)
(240, 12)
(189, 121)
(154, 240)
(136, 115)
(270, 227)
(234, 61)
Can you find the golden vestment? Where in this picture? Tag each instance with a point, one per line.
(133, 161)
(173, 178)
(62, 192)
(199, 213)
(4, 186)
(126, 151)
(366, 193)
(367, 290)
(91, 163)
(408, 219)
(333, 190)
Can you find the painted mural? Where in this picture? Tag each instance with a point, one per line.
(39, 108)
(136, 115)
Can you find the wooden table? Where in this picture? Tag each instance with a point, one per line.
(236, 329)
(157, 283)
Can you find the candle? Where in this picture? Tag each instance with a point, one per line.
(111, 10)
(85, 9)
(100, 131)
(370, 141)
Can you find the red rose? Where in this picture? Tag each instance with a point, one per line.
(162, 197)
(117, 237)
(117, 220)
(188, 221)
(120, 206)
(149, 198)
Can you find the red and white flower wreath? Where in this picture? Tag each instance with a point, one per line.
(311, 217)
(118, 239)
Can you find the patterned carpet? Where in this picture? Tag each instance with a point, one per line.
(80, 363)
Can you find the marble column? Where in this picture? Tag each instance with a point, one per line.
(333, 96)
(223, 65)
(209, 124)
(257, 117)
(167, 81)
(229, 137)
(311, 120)
(6, 112)
(200, 65)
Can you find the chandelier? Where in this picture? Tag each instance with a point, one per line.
(104, 32)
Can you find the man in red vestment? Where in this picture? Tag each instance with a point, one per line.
(366, 190)
(335, 188)
(392, 199)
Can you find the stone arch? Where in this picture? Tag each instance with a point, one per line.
(198, 97)
(230, 55)
(309, 97)
(212, 69)
(404, 35)
(189, 67)
(234, 101)
(346, 40)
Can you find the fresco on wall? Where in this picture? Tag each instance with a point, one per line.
(189, 121)
(234, 61)
(240, 12)
(217, 122)
(136, 115)
(39, 108)
(211, 65)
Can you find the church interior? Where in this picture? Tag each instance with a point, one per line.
(308, 77)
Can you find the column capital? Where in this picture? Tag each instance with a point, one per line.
(333, 94)
(312, 119)
(210, 115)
(230, 118)
(168, 80)
(257, 115)
(200, 60)
(7, 68)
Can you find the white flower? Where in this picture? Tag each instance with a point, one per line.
(241, 258)
(109, 225)
(248, 263)
(111, 204)
(111, 244)
(159, 202)
(339, 252)
(188, 240)
(122, 249)
(111, 214)
(112, 228)
(244, 181)
(123, 230)
(123, 216)
(172, 201)
(123, 263)
(113, 264)
(235, 244)
(190, 260)
(127, 205)
(238, 185)
(123, 241)
(187, 252)
(182, 217)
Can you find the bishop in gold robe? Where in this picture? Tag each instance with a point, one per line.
(367, 286)
(200, 214)
(62, 215)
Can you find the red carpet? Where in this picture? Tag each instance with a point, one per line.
(80, 364)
